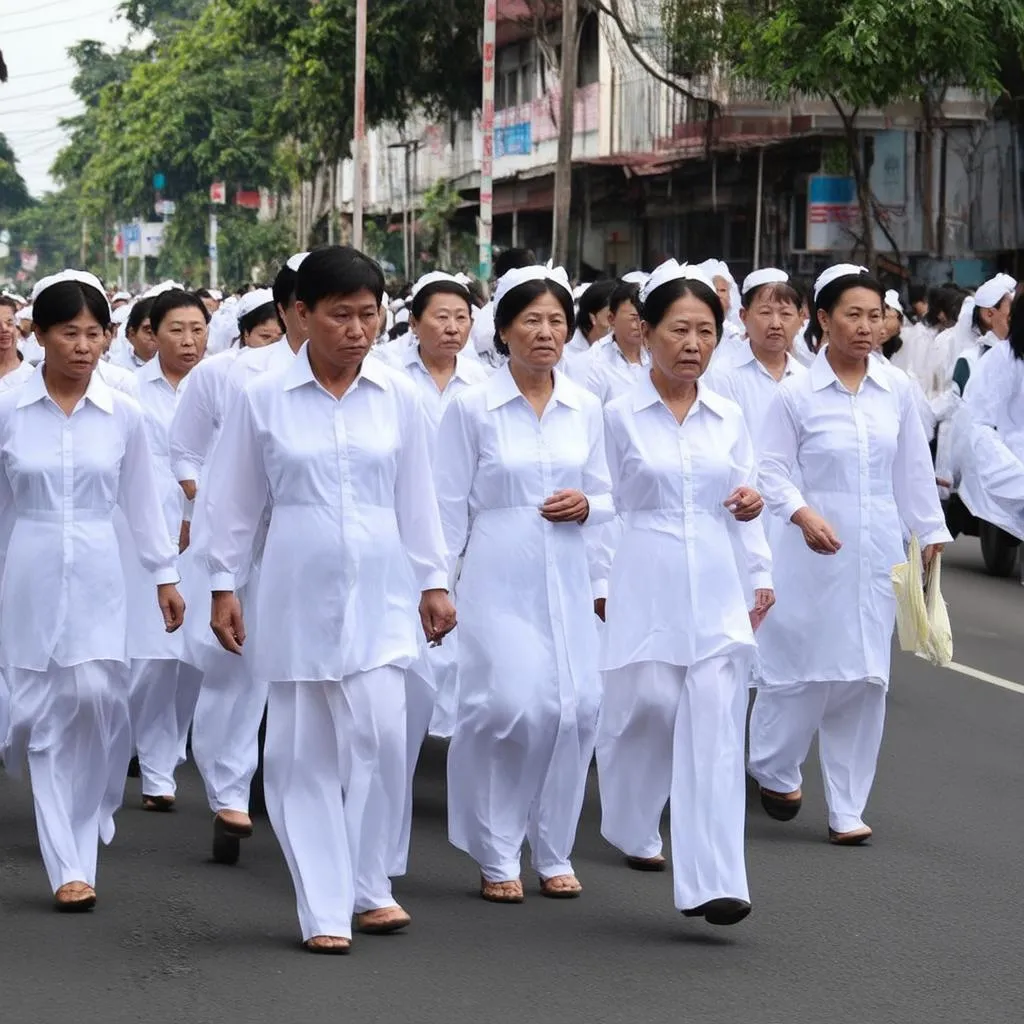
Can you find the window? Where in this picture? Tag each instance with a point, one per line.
(515, 80)
(589, 66)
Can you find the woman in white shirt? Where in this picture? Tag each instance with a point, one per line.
(440, 368)
(228, 712)
(849, 434)
(164, 687)
(519, 466)
(679, 634)
(71, 449)
(13, 370)
(612, 369)
(336, 444)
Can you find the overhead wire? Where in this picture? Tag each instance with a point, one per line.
(59, 21)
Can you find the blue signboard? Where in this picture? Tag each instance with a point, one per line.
(515, 140)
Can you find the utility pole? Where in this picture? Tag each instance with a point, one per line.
(359, 120)
(214, 267)
(485, 225)
(566, 130)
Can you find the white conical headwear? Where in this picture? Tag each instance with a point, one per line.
(834, 273)
(673, 270)
(520, 275)
(993, 291)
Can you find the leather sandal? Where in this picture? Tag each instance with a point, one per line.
(383, 921)
(330, 945)
(228, 834)
(854, 838)
(569, 890)
(74, 898)
(725, 910)
(781, 806)
(646, 863)
(510, 891)
(161, 804)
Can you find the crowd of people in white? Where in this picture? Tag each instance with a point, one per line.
(563, 522)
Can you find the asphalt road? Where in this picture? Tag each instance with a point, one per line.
(924, 925)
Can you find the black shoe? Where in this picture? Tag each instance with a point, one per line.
(133, 768)
(723, 911)
(777, 807)
(227, 841)
(647, 863)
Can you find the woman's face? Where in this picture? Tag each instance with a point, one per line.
(893, 322)
(263, 334)
(73, 348)
(998, 319)
(722, 287)
(143, 341)
(536, 337)
(8, 330)
(683, 342)
(626, 325)
(443, 329)
(341, 329)
(772, 323)
(855, 323)
(181, 339)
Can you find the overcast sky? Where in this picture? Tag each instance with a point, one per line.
(34, 38)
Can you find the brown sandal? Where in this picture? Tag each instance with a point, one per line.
(74, 898)
(646, 863)
(330, 945)
(510, 891)
(854, 838)
(162, 804)
(781, 806)
(569, 890)
(383, 921)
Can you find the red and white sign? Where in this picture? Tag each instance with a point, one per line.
(218, 193)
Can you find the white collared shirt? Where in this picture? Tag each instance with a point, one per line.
(683, 572)
(610, 374)
(60, 480)
(467, 373)
(745, 380)
(21, 373)
(254, 362)
(354, 532)
(862, 462)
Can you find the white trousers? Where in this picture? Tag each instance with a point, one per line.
(225, 731)
(671, 732)
(334, 777)
(517, 771)
(848, 718)
(71, 724)
(419, 709)
(161, 701)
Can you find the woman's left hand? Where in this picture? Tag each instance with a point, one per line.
(745, 504)
(763, 601)
(566, 507)
(930, 552)
(437, 614)
(172, 606)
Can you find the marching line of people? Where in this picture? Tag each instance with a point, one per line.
(552, 527)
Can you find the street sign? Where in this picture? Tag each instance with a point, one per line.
(218, 193)
(159, 181)
(164, 207)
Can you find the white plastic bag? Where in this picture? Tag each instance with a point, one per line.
(922, 620)
(911, 611)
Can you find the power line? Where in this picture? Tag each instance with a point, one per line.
(37, 7)
(38, 110)
(37, 92)
(60, 21)
(38, 74)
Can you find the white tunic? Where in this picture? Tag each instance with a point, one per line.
(467, 373)
(147, 638)
(525, 589)
(745, 380)
(253, 362)
(864, 464)
(17, 376)
(63, 595)
(353, 518)
(610, 374)
(31, 351)
(676, 592)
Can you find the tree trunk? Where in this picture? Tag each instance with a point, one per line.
(928, 173)
(566, 129)
(943, 148)
(860, 181)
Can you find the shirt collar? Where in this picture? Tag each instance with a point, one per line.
(614, 352)
(300, 372)
(151, 371)
(34, 390)
(822, 374)
(645, 394)
(745, 356)
(411, 357)
(502, 389)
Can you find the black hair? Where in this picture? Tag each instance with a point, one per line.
(622, 293)
(139, 312)
(829, 296)
(513, 259)
(892, 346)
(783, 291)
(204, 293)
(284, 287)
(476, 293)
(946, 299)
(398, 330)
(657, 304)
(976, 315)
(424, 295)
(257, 316)
(337, 270)
(174, 298)
(514, 301)
(1016, 336)
(6, 300)
(592, 301)
(917, 292)
(64, 300)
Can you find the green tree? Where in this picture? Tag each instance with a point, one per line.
(14, 194)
